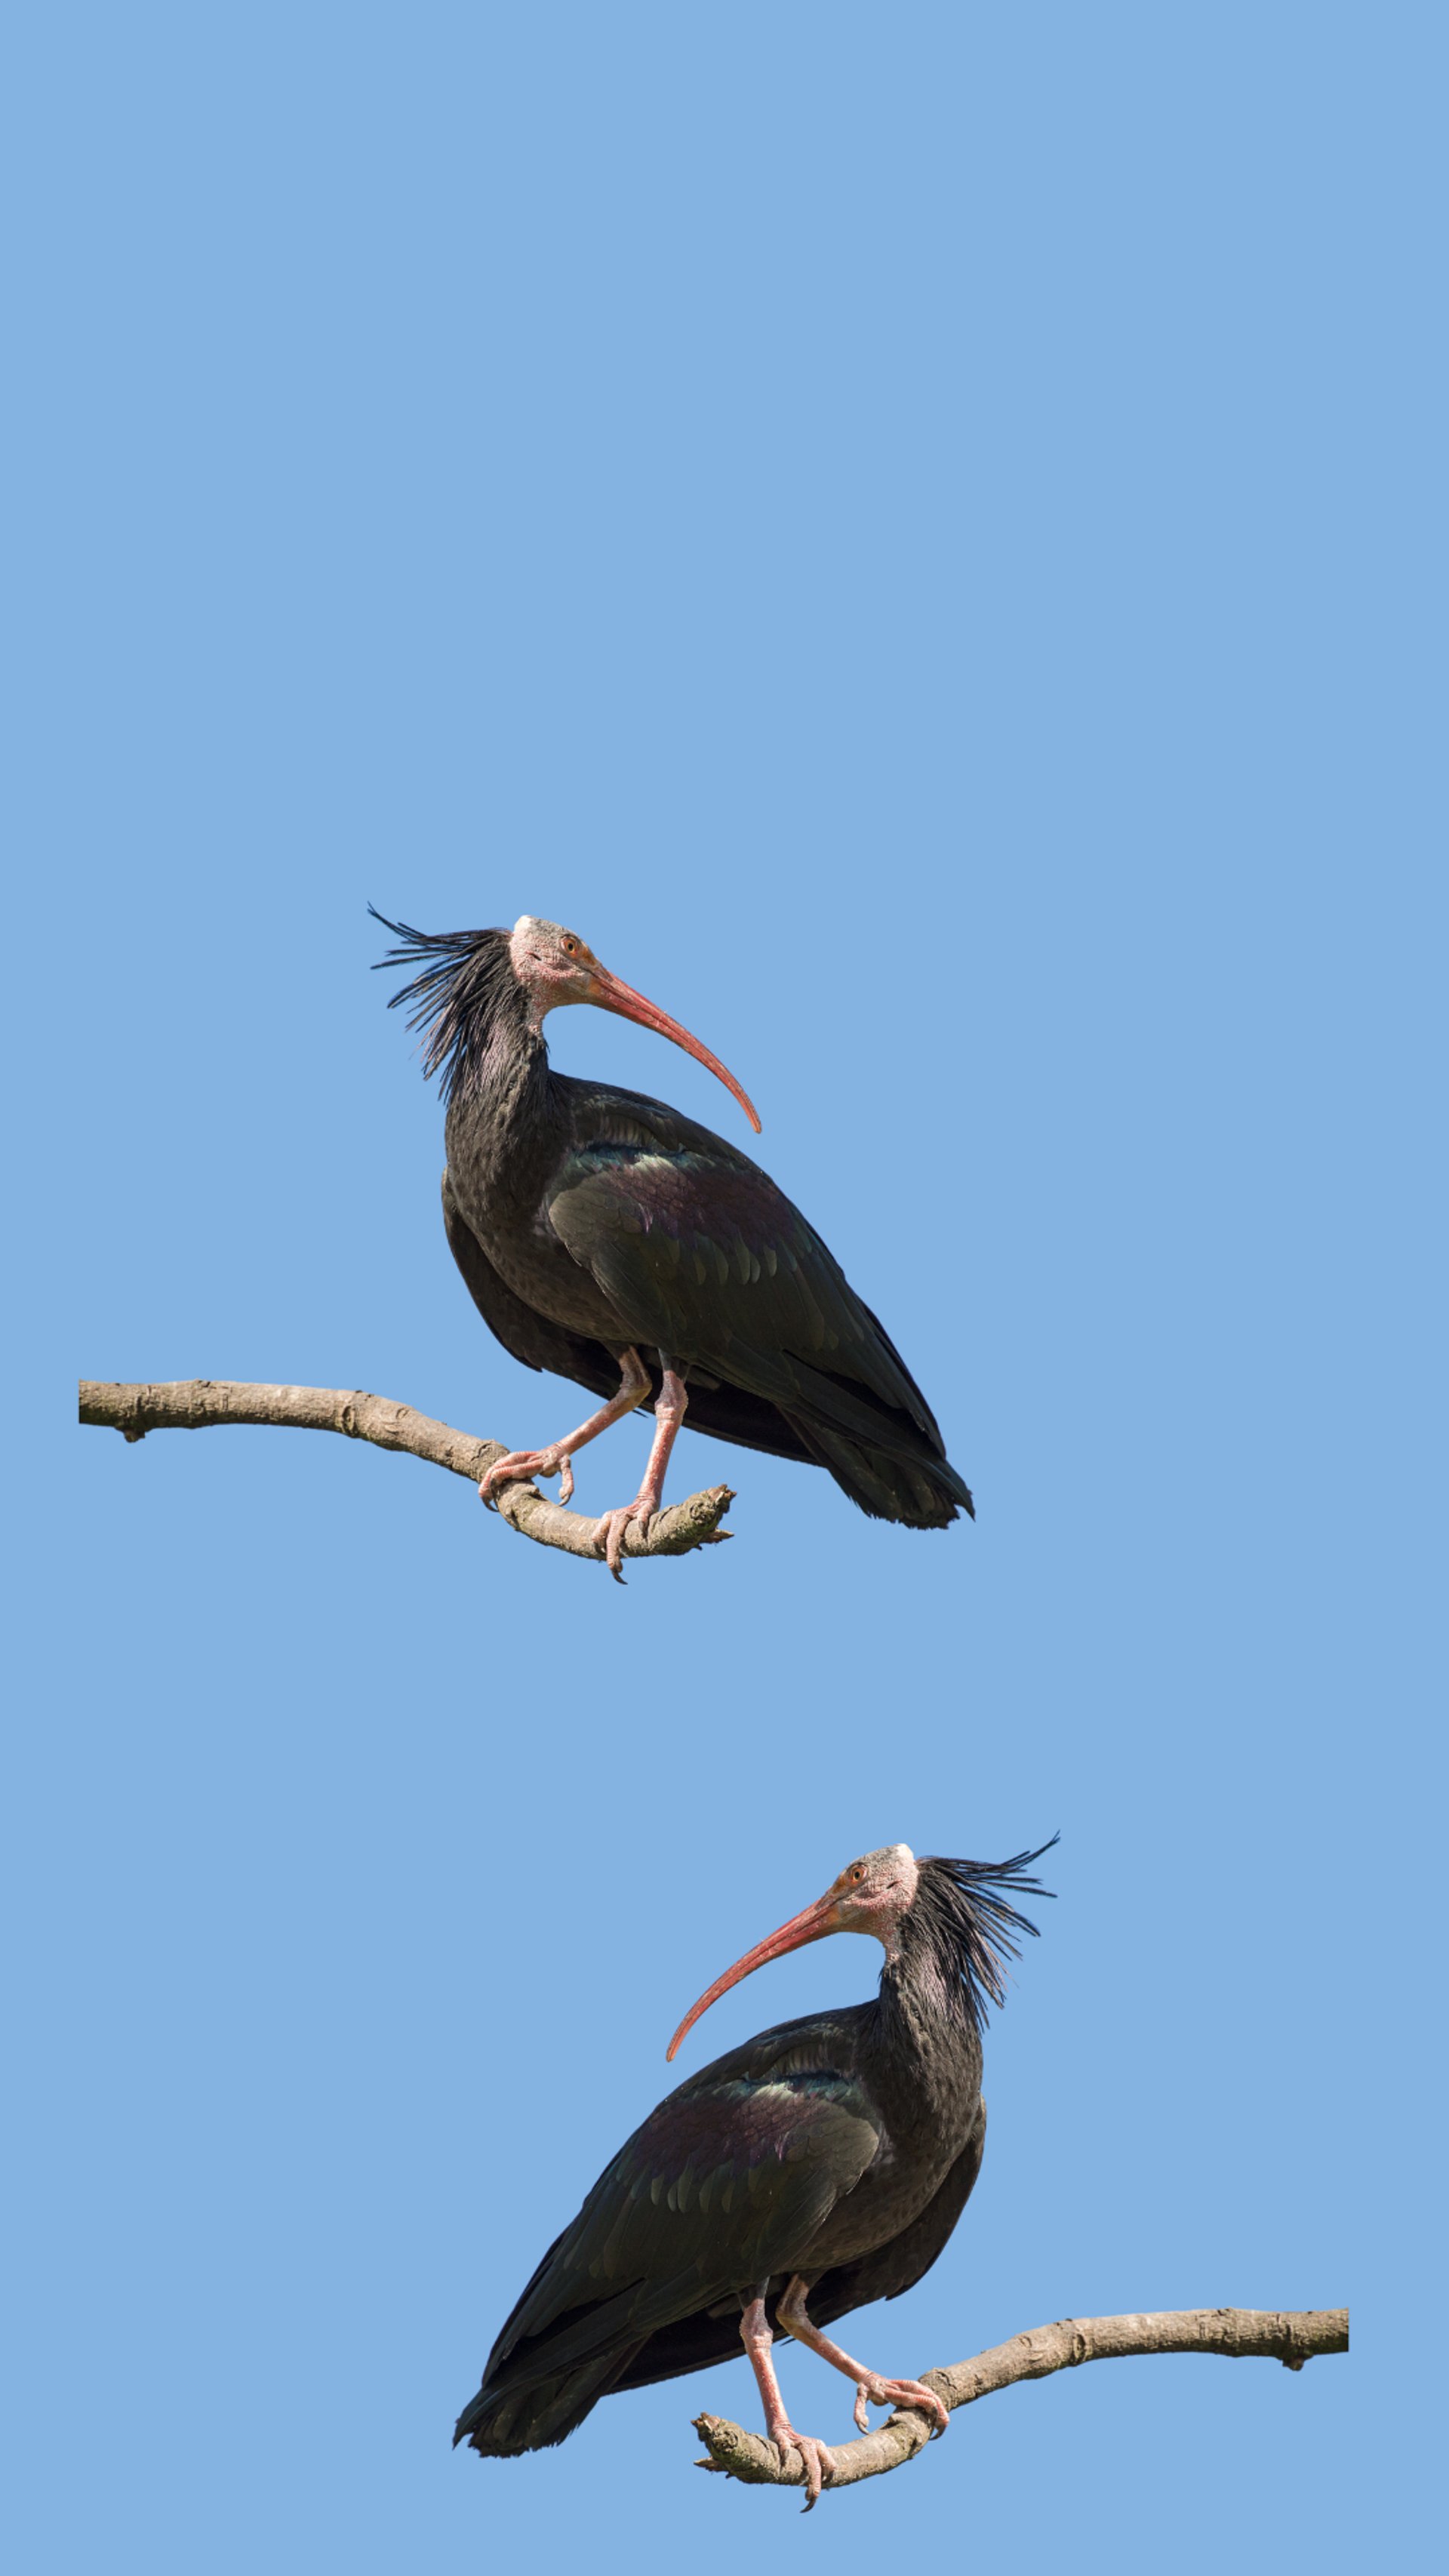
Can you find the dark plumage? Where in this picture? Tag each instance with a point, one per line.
(830, 2157)
(591, 1223)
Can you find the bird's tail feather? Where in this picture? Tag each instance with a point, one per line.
(922, 1494)
(503, 2423)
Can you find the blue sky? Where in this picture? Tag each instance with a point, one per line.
(913, 532)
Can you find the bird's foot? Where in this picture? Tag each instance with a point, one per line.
(609, 1536)
(819, 2462)
(527, 1462)
(899, 2392)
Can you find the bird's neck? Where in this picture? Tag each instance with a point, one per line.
(923, 2028)
(503, 1114)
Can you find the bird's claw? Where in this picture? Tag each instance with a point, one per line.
(901, 2392)
(524, 1462)
(609, 1536)
(819, 2462)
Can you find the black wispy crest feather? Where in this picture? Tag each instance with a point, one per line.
(960, 1908)
(467, 979)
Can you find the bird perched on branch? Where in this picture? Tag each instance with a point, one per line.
(607, 1238)
(822, 2165)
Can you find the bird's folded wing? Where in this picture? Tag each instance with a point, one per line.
(726, 2182)
(710, 1262)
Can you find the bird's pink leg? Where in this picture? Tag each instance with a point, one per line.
(756, 2337)
(791, 2317)
(633, 1387)
(669, 1412)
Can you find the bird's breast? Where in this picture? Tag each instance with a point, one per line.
(531, 1260)
(889, 2197)
(503, 1180)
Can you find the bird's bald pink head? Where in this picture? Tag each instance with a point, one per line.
(556, 967)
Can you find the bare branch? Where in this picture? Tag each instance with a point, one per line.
(1237, 2333)
(198, 1404)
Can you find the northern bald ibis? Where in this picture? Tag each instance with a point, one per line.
(825, 2161)
(607, 1238)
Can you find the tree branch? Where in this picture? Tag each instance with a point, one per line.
(197, 1404)
(1237, 2333)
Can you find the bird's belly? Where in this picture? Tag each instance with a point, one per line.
(534, 1264)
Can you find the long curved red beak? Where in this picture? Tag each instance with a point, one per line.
(611, 995)
(816, 1924)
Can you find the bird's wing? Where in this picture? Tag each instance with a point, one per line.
(706, 1259)
(726, 2182)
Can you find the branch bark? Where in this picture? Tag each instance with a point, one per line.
(198, 1404)
(1238, 2334)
